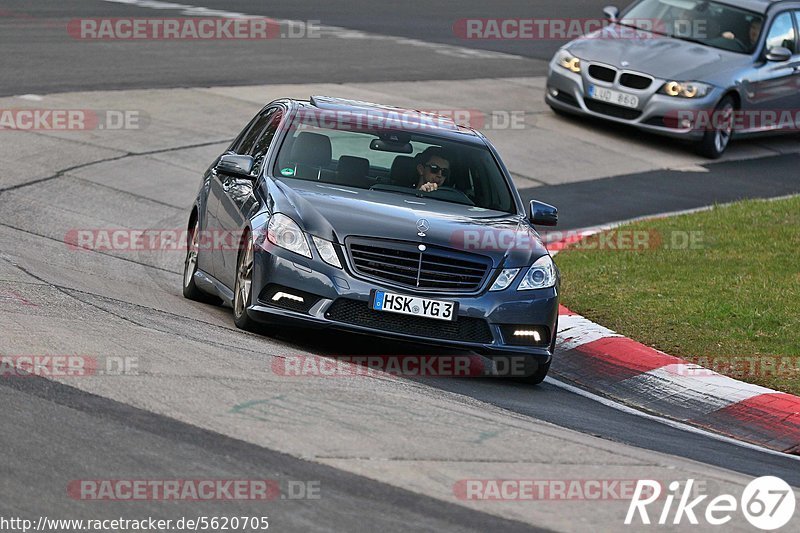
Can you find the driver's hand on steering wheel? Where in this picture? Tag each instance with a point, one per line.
(728, 35)
(428, 187)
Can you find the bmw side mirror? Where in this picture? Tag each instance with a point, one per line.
(779, 53)
(543, 214)
(238, 166)
(611, 13)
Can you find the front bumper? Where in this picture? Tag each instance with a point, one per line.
(656, 113)
(333, 298)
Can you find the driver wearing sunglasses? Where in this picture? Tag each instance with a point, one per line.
(434, 169)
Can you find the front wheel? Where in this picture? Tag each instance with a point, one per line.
(716, 138)
(243, 288)
(538, 375)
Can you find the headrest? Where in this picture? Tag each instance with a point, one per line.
(404, 171)
(312, 149)
(352, 171)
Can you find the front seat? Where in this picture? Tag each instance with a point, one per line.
(311, 152)
(353, 171)
(404, 171)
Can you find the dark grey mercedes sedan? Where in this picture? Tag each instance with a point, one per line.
(691, 69)
(335, 213)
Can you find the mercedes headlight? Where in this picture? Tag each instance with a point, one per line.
(327, 251)
(540, 275)
(504, 279)
(284, 232)
(685, 89)
(569, 61)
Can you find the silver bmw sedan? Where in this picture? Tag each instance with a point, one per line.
(698, 70)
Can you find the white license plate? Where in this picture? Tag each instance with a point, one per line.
(613, 97)
(411, 305)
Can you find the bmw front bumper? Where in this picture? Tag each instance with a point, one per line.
(656, 113)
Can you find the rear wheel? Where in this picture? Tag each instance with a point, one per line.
(190, 288)
(716, 139)
(243, 288)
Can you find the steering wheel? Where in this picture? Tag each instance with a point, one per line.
(743, 47)
(453, 193)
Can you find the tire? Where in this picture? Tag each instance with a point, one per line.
(507, 367)
(716, 140)
(243, 287)
(538, 375)
(190, 289)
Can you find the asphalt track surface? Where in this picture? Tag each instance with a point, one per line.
(40, 56)
(54, 432)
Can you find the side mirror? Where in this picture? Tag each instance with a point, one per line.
(779, 53)
(611, 13)
(238, 166)
(543, 214)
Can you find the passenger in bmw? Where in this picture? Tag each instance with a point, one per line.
(433, 169)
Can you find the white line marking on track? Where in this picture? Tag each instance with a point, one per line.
(665, 421)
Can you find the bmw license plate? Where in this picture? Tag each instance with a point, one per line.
(412, 305)
(613, 97)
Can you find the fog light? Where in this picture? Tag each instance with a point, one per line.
(528, 333)
(525, 335)
(279, 295)
(553, 91)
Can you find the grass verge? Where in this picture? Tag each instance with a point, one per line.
(720, 288)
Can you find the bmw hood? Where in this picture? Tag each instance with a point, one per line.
(336, 213)
(658, 55)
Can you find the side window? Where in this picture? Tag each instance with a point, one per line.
(259, 151)
(781, 33)
(249, 140)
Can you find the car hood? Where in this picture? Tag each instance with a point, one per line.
(336, 213)
(660, 56)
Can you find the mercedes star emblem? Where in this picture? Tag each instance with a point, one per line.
(422, 226)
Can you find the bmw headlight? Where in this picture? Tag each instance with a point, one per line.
(504, 279)
(284, 232)
(540, 275)
(685, 89)
(569, 61)
(327, 251)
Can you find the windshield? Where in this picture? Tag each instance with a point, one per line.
(709, 23)
(322, 147)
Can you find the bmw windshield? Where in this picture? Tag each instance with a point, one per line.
(367, 152)
(709, 23)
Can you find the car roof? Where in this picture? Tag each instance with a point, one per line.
(411, 120)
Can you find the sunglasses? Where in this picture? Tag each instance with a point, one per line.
(436, 169)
